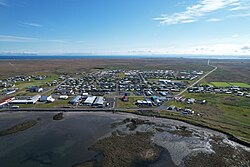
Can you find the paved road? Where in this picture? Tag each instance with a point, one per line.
(163, 106)
(53, 88)
(196, 82)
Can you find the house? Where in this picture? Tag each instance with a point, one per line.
(191, 101)
(125, 98)
(48, 99)
(35, 89)
(171, 108)
(144, 102)
(163, 93)
(4, 102)
(75, 99)
(64, 97)
(203, 102)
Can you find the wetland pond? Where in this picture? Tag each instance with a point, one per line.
(105, 139)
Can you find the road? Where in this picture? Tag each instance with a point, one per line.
(196, 82)
(53, 88)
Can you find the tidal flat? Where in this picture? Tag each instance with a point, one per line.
(107, 139)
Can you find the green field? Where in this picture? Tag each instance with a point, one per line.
(229, 84)
(56, 104)
(130, 103)
(239, 84)
(220, 84)
(120, 75)
(22, 86)
(227, 113)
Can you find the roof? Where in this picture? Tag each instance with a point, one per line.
(99, 101)
(90, 100)
(6, 99)
(75, 99)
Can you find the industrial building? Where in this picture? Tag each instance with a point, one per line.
(90, 100)
(4, 102)
(99, 102)
(31, 100)
(75, 100)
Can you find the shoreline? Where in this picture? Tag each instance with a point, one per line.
(53, 110)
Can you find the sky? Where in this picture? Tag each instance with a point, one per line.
(202, 27)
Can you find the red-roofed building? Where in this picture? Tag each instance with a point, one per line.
(5, 101)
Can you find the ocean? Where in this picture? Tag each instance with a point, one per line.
(45, 57)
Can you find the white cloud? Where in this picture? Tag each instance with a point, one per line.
(10, 38)
(13, 38)
(199, 11)
(2, 2)
(213, 20)
(31, 24)
(235, 36)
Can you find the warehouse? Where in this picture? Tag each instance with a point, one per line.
(75, 100)
(99, 102)
(90, 100)
(4, 102)
(31, 100)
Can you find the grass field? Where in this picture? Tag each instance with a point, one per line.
(239, 84)
(120, 75)
(56, 104)
(130, 103)
(224, 112)
(229, 84)
(220, 84)
(22, 86)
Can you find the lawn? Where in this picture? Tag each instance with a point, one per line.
(56, 104)
(220, 84)
(33, 82)
(240, 84)
(120, 75)
(130, 103)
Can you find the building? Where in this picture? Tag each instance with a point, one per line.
(4, 102)
(35, 89)
(191, 101)
(75, 100)
(64, 97)
(90, 100)
(31, 100)
(144, 102)
(125, 98)
(48, 99)
(99, 102)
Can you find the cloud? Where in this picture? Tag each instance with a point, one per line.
(199, 11)
(13, 38)
(235, 36)
(3, 3)
(10, 38)
(30, 24)
(239, 15)
(213, 20)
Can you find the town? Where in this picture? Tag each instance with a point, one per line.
(114, 90)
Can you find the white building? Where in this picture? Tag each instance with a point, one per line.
(99, 102)
(90, 100)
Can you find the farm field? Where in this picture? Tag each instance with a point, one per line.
(220, 84)
(223, 112)
(229, 84)
(239, 84)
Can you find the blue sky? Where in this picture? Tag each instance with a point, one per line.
(125, 27)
